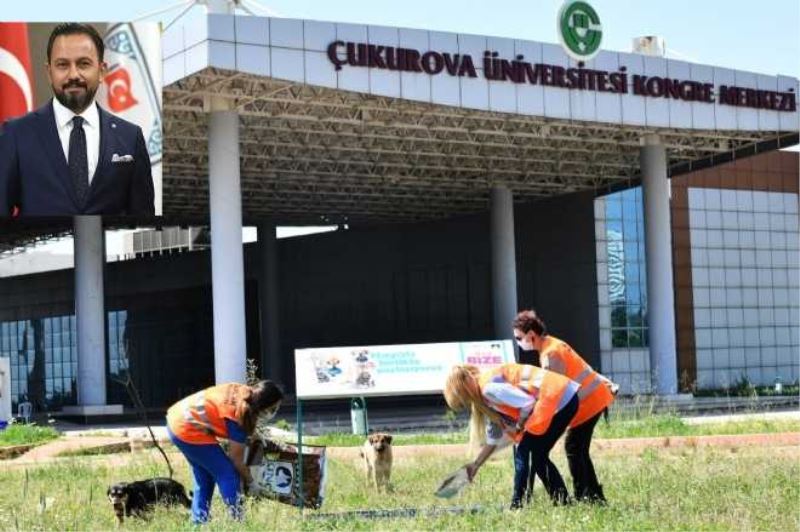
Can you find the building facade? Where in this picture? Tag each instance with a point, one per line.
(580, 262)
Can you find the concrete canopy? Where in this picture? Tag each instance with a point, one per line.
(311, 154)
(362, 144)
(321, 145)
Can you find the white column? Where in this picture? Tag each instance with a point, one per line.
(89, 248)
(504, 261)
(227, 256)
(658, 249)
(269, 302)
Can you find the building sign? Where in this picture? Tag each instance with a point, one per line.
(579, 30)
(390, 369)
(354, 54)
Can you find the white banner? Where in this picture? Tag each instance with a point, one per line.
(325, 373)
(132, 86)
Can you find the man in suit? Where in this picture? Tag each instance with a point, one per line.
(70, 156)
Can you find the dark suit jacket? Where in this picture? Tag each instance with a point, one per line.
(35, 177)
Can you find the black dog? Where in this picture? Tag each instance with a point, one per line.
(137, 498)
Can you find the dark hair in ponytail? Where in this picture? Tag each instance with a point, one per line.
(257, 398)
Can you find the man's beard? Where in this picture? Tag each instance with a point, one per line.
(75, 101)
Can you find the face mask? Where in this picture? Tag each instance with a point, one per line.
(270, 413)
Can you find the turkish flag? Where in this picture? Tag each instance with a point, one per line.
(120, 97)
(16, 82)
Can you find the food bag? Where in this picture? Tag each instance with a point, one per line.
(275, 467)
(453, 484)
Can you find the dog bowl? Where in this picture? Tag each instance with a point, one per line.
(453, 484)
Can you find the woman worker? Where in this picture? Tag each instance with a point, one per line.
(527, 404)
(226, 411)
(596, 394)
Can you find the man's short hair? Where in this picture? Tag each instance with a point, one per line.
(74, 28)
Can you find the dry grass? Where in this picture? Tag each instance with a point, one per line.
(753, 488)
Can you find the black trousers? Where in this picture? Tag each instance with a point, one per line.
(538, 449)
(577, 445)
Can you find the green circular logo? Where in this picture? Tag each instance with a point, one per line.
(579, 29)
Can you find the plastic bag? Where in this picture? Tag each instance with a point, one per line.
(453, 484)
(275, 467)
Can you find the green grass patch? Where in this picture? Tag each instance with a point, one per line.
(620, 426)
(753, 488)
(744, 388)
(16, 434)
(672, 425)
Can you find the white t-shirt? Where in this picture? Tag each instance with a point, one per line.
(506, 394)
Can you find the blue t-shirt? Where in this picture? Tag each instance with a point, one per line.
(235, 431)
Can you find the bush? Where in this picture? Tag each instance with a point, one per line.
(16, 434)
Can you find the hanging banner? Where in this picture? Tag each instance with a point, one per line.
(364, 371)
(132, 86)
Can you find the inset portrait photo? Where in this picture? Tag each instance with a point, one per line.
(80, 119)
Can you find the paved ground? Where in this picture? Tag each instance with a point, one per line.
(787, 415)
(63, 445)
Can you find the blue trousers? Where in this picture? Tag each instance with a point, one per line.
(210, 465)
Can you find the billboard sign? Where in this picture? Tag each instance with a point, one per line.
(382, 370)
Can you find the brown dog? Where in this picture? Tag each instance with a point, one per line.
(377, 454)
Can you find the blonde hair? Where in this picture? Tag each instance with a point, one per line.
(461, 391)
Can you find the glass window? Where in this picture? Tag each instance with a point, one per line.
(613, 209)
(22, 335)
(627, 283)
(630, 211)
(632, 269)
(618, 318)
(630, 250)
(632, 297)
(12, 337)
(614, 229)
(619, 338)
(634, 316)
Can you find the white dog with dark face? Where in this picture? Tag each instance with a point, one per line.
(377, 455)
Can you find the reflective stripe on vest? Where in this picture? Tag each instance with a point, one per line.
(586, 390)
(525, 386)
(199, 408)
(531, 387)
(580, 377)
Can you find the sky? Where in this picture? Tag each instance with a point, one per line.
(742, 34)
(760, 36)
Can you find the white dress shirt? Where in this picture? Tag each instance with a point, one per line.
(91, 126)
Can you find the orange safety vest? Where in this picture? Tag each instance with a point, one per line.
(595, 393)
(200, 418)
(544, 386)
